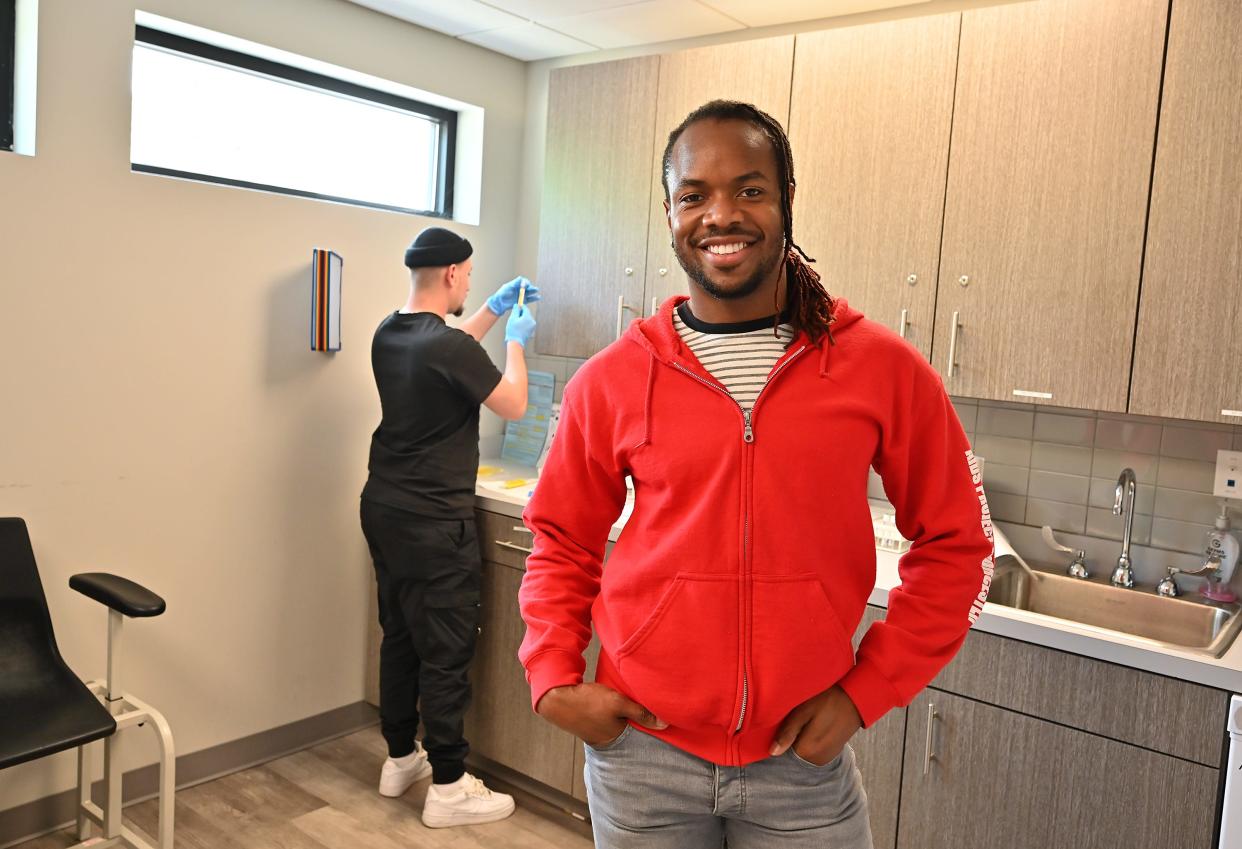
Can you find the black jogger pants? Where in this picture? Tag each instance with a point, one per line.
(428, 573)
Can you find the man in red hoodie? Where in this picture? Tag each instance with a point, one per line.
(747, 417)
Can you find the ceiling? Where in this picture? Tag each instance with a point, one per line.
(543, 29)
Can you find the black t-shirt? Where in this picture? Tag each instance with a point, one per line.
(431, 380)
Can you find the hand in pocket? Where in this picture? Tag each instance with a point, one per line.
(819, 728)
(593, 713)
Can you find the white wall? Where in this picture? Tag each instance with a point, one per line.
(161, 414)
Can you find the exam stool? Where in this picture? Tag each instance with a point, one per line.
(45, 708)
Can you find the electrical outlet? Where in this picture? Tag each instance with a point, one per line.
(1228, 474)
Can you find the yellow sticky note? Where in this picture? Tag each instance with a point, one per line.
(516, 482)
(488, 470)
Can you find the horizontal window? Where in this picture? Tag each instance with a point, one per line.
(208, 113)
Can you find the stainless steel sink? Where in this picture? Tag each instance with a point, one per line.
(1184, 623)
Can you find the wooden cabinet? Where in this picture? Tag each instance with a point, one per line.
(1189, 339)
(984, 777)
(596, 201)
(878, 751)
(1178, 718)
(869, 129)
(604, 251)
(750, 71)
(500, 724)
(978, 182)
(1049, 168)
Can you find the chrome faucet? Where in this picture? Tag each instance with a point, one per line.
(1123, 576)
(1210, 569)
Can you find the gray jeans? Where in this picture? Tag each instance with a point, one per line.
(645, 793)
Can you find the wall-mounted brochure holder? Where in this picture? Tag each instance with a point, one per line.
(326, 300)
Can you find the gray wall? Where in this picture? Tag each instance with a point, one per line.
(162, 416)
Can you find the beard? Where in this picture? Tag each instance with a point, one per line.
(695, 270)
(460, 311)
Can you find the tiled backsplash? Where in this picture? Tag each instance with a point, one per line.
(1059, 467)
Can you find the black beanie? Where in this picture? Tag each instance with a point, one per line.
(436, 247)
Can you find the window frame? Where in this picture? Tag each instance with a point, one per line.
(8, 71)
(446, 118)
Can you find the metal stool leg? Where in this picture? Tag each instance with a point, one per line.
(85, 771)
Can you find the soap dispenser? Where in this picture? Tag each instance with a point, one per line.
(1223, 547)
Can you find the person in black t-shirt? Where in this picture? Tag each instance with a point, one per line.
(418, 515)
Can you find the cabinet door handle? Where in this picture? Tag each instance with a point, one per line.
(1027, 393)
(506, 544)
(928, 754)
(901, 325)
(655, 304)
(622, 306)
(953, 343)
(1234, 413)
(523, 529)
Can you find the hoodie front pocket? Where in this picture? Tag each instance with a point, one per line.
(797, 645)
(682, 662)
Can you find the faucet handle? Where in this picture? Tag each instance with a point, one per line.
(1052, 543)
(1078, 566)
(1210, 566)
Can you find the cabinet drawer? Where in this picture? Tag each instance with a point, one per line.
(503, 539)
(978, 777)
(1164, 714)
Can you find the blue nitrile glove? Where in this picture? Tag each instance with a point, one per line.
(520, 326)
(506, 296)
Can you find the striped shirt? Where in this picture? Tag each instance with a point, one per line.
(740, 356)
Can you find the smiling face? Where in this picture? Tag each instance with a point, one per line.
(724, 209)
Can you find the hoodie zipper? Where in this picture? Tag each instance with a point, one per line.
(748, 431)
(748, 436)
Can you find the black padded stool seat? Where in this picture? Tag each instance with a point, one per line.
(44, 707)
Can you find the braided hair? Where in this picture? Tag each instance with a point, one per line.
(809, 304)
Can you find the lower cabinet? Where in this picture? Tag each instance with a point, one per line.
(984, 777)
(500, 724)
(878, 751)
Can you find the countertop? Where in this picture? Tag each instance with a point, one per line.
(1224, 673)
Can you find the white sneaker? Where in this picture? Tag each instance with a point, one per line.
(466, 801)
(398, 774)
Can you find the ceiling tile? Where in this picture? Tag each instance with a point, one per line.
(528, 42)
(644, 23)
(540, 10)
(456, 18)
(791, 11)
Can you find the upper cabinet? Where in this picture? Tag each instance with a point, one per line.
(596, 200)
(604, 253)
(1050, 165)
(750, 71)
(869, 128)
(1189, 340)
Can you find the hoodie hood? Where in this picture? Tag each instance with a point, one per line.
(659, 338)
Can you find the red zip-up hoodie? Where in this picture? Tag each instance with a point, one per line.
(733, 590)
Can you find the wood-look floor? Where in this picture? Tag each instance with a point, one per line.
(325, 798)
